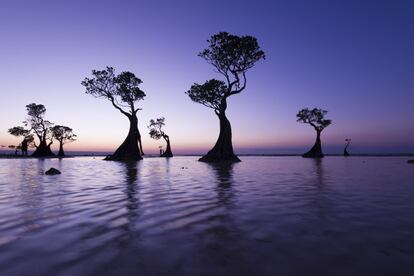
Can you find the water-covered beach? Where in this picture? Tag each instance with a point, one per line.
(262, 216)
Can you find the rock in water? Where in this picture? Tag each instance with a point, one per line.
(52, 171)
(410, 161)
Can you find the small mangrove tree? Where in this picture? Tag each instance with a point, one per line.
(63, 135)
(316, 118)
(156, 132)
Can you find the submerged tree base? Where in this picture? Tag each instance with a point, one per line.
(129, 150)
(316, 150)
(43, 152)
(167, 154)
(122, 158)
(314, 153)
(212, 157)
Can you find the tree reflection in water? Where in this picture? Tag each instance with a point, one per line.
(224, 178)
(131, 170)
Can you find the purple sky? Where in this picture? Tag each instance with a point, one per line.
(353, 58)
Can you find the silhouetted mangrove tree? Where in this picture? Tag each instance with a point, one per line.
(123, 92)
(156, 132)
(315, 118)
(64, 135)
(347, 142)
(231, 56)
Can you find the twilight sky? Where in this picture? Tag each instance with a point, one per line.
(353, 58)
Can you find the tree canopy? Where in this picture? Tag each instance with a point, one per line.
(19, 131)
(315, 117)
(63, 134)
(36, 122)
(231, 56)
(155, 128)
(121, 90)
(209, 94)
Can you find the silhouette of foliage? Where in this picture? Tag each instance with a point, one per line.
(19, 131)
(231, 56)
(123, 92)
(209, 94)
(63, 134)
(155, 128)
(315, 117)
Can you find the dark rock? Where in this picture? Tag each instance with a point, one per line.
(410, 161)
(52, 171)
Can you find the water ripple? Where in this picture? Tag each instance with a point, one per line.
(263, 216)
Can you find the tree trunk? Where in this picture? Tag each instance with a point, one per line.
(129, 149)
(168, 152)
(316, 150)
(223, 150)
(139, 142)
(61, 152)
(43, 150)
(346, 153)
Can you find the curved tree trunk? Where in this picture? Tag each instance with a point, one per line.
(61, 151)
(129, 149)
(43, 150)
(223, 150)
(168, 152)
(346, 153)
(316, 150)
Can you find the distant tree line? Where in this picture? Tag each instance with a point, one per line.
(230, 55)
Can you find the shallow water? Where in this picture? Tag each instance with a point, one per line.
(263, 216)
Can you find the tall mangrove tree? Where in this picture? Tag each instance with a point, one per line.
(123, 92)
(231, 56)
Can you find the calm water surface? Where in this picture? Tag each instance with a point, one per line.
(263, 216)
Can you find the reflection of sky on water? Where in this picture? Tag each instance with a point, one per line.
(181, 216)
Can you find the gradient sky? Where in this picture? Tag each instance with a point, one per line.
(353, 58)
